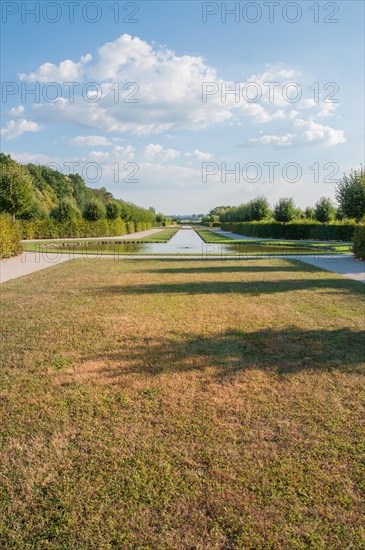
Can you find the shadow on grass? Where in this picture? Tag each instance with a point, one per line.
(241, 268)
(240, 287)
(232, 351)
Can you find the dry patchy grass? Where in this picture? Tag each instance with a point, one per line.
(186, 404)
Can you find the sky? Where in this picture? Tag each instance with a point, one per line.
(187, 105)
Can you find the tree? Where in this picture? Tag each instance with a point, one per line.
(324, 210)
(65, 211)
(309, 213)
(35, 210)
(16, 188)
(299, 214)
(284, 210)
(112, 210)
(259, 209)
(218, 210)
(350, 194)
(94, 210)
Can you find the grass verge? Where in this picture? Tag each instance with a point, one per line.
(209, 236)
(161, 404)
(99, 246)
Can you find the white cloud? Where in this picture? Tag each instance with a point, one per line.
(286, 139)
(147, 89)
(312, 133)
(308, 103)
(327, 110)
(66, 71)
(99, 155)
(199, 155)
(153, 151)
(17, 111)
(16, 128)
(317, 133)
(90, 141)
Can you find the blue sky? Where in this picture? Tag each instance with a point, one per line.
(171, 137)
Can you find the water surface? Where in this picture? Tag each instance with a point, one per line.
(185, 241)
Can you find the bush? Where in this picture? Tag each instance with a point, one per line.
(295, 230)
(9, 237)
(359, 242)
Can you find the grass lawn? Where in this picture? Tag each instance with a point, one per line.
(99, 246)
(187, 404)
(209, 236)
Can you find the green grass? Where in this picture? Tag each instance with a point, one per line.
(164, 236)
(186, 404)
(209, 236)
(100, 246)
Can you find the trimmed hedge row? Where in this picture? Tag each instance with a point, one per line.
(51, 229)
(9, 237)
(296, 231)
(359, 242)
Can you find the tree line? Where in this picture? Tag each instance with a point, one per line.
(350, 198)
(34, 192)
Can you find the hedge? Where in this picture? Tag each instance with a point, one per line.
(51, 229)
(9, 237)
(296, 231)
(359, 242)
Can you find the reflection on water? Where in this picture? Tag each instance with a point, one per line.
(185, 241)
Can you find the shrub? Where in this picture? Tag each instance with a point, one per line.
(359, 242)
(9, 237)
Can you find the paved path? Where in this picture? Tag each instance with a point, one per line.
(28, 262)
(138, 235)
(344, 264)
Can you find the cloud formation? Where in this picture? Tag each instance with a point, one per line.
(136, 88)
(16, 128)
